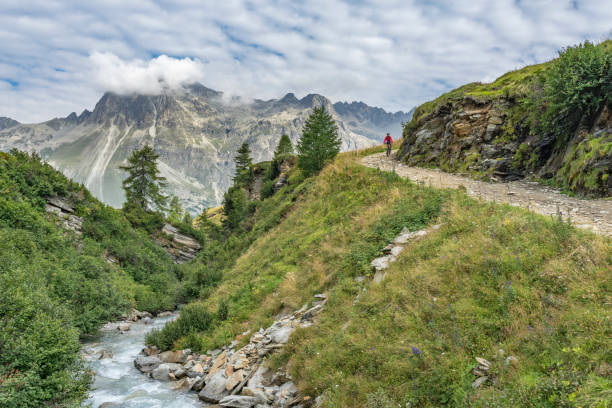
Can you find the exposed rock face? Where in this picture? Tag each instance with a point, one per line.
(6, 123)
(181, 247)
(64, 211)
(196, 132)
(478, 136)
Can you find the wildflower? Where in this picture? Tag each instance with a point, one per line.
(416, 351)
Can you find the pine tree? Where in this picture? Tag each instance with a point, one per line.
(234, 207)
(284, 147)
(243, 165)
(284, 150)
(319, 142)
(144, 184)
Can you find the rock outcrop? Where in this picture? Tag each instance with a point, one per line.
(486, 137)
(235, 378)
(181, 247)
(61, 208)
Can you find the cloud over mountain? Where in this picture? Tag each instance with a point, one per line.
(151, 77)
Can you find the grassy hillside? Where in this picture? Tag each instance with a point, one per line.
(57, 285)
(492, 277)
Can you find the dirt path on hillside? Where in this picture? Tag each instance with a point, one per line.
(592, 214)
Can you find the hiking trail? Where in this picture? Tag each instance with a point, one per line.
(595, 215)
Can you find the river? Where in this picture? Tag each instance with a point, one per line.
(118, 383)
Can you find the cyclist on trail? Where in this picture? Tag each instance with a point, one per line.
(388, 141)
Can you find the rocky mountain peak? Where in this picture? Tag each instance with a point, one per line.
(6, 123)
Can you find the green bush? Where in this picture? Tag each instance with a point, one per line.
(193, 318)
(267, 189)
(577, 86)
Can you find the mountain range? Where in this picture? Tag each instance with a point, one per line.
(196, 132)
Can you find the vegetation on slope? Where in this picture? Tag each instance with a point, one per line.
(491, 278)
(56, 285)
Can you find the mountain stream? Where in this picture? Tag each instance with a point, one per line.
(118, 384)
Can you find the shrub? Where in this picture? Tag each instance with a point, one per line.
(193, 318)
(577, 85)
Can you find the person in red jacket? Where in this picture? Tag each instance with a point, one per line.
(388, 141)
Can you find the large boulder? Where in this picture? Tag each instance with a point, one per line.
(146, 364)
(214, 390)
(162, 372)
(179, 356)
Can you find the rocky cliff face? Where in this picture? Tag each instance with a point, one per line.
(490, 138)
(195, 131)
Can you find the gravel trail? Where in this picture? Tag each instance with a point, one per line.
(595, 215)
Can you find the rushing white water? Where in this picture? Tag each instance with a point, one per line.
(119, 383)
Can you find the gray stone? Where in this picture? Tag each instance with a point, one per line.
(214, 390)
(379, 276)
(162, 372)
(146, 364)
(396, 250)
(123, 327)
(240, 401)
(281, 334)
(382, 262)
(147, 320)
(180, 373)
(479, 381)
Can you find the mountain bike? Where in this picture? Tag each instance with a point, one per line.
(388, 149)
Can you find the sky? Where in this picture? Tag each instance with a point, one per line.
(59, 56)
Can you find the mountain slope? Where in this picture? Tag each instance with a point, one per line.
(552, 121)
(68, 264)
(196, 133)
(490, 277)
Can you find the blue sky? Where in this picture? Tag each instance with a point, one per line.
(59, 56)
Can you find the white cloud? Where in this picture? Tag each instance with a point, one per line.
(152, 77)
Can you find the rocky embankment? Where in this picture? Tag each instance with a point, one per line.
(235, 377)
(181, 247)
(491, 137)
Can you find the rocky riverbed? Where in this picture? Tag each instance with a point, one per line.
(235, 377)
(118, 384)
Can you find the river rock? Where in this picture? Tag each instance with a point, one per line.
(214, 390)
(146, 364)
(123, 327)
(163, 371)
(147, 320)
(240, 401)
(179, 356)
(180, 373)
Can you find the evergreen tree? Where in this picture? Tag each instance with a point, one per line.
(235, 207)
(144, 184)
(284, 147)
(319, 142)
(283, 151)
(176, 210)
(243, 165)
